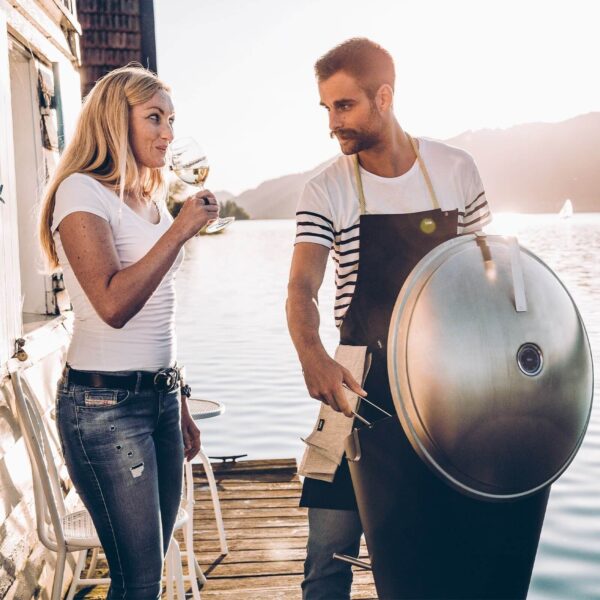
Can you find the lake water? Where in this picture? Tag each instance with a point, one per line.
(234, 342)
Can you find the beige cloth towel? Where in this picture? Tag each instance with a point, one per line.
(325, 444)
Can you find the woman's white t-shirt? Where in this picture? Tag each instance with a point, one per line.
(147, 341)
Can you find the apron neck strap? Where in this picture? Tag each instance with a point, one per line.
(361, 194)
(434, 200)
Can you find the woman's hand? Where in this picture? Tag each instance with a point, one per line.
(190, 432)
(196, 212)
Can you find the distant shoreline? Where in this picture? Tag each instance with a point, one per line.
(494, 212)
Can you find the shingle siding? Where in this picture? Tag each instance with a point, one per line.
(115, 32)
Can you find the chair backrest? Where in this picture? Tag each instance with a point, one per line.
(187, 494)
(48, 493)
(32, 389)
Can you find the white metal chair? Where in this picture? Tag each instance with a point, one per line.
(60, 529)
(214, 494)
(206, 409)
(201, 409)
(194, 571)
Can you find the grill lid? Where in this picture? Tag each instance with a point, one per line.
(490, 367)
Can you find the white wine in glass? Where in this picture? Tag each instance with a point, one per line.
(189, 163)
(193, 175)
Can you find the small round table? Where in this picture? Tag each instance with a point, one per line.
(204, 409)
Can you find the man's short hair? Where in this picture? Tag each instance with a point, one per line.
(369, 63)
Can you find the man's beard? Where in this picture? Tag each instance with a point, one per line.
(355, 141)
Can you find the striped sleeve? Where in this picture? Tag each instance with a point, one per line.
(314, 223)
(477, 212)
(346, 255)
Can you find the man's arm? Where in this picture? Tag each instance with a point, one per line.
(323, 376)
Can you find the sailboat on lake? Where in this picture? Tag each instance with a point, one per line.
(567, 210)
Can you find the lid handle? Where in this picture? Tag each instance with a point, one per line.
(517, 275)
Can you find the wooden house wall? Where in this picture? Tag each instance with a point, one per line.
(41, 27)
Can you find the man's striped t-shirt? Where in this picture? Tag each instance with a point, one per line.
(328, 212)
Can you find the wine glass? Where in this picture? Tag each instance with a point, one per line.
(190, 164)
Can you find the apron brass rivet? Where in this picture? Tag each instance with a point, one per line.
(428, 226)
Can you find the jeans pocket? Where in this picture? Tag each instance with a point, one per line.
(99, 398)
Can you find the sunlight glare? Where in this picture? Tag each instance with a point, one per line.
(506, 223)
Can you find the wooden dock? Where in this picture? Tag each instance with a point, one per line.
(266, 534)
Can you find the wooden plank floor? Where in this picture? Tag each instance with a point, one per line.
(266, 534)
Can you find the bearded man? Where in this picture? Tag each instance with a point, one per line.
(378, 209)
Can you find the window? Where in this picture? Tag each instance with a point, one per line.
(36, 146)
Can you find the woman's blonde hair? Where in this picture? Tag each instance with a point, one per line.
(100, 145)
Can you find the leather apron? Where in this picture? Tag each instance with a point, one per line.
(426, 540)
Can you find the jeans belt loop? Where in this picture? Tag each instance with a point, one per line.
(66, 376)
(138, 383)
(176, 378)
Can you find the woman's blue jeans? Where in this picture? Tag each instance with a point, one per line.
(124, 453)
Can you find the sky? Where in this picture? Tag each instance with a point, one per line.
(243, 82)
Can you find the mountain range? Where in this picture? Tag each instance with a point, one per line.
(531, 167)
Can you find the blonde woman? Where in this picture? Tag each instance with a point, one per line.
(123, 427)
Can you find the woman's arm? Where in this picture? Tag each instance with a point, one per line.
(189, 431)
(118, 294)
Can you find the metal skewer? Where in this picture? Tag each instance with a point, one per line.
(387, 414)
(353, 561)
(362, 419)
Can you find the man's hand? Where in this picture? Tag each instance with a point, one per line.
(190, 432)
(324, 378)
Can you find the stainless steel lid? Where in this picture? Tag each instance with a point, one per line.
(490, 367)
